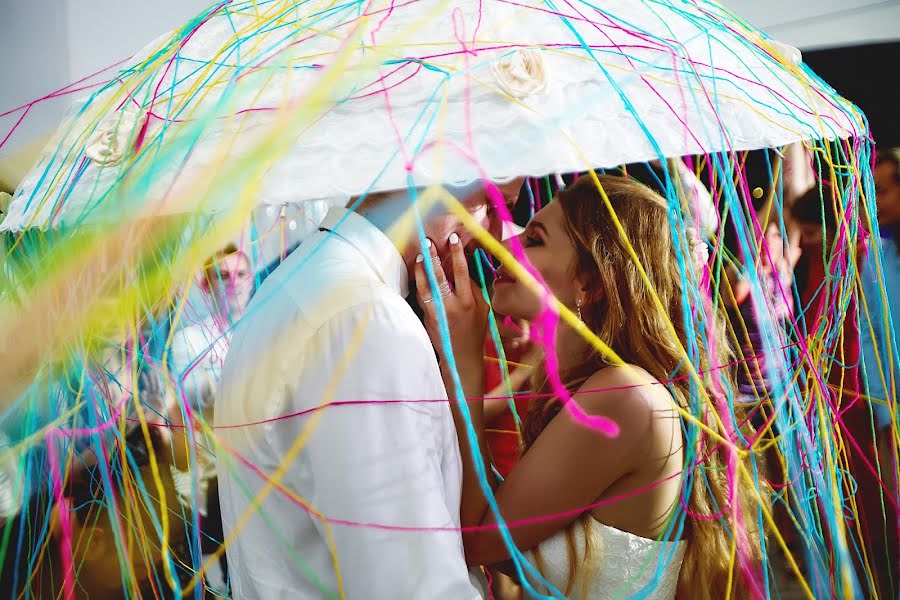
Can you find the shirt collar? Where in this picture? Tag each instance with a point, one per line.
(379, 252)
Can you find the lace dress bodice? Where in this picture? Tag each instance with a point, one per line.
(629, 565)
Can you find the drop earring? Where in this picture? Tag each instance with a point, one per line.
(578, 310)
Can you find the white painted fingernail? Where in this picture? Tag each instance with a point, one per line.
(420, 258)
(454, 239)
(428, 242)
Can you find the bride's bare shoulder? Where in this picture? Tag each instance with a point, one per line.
(624, 389)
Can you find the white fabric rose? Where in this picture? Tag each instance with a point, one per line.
(522, 73)
(113, 136)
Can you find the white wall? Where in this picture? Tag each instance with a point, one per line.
(816, 24)
(33, 50)
(102, 32)
(48, 44)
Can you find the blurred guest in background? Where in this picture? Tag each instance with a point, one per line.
(227, 280)
(878, 344)
(879, 325)
(853, 376)
(101, 539)
(198, 353)
(199, 348)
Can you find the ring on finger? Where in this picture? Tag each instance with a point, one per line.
(444, 289)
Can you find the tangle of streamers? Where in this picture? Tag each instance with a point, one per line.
(242, 127)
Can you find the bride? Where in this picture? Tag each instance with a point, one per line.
(653, 510)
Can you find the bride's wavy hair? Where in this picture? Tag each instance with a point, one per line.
(715, 506)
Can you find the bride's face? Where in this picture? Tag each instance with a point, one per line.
(550, 251)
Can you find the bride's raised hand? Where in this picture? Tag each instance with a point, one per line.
(466, 310)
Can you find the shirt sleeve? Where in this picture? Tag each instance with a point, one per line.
(377, 457)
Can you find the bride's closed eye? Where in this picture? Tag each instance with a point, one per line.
(532, 240)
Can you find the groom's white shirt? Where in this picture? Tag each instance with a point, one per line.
(367, 490)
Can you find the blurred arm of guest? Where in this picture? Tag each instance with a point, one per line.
(798, 178)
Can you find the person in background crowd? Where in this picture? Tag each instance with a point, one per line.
(36, 570)
(198, 353)
(759, 321)
(775, 272)
(773, 182)
(871, 523)
(881, 362)
(227, 281)
(106, 385)
(879, 344)
(199, 348)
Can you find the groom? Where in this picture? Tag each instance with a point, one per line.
(346, 482)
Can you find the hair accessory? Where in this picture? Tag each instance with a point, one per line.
(698, 248)
(444, 289)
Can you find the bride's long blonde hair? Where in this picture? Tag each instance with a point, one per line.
(628, 321)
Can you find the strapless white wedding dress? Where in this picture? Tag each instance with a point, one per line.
(629, 566)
